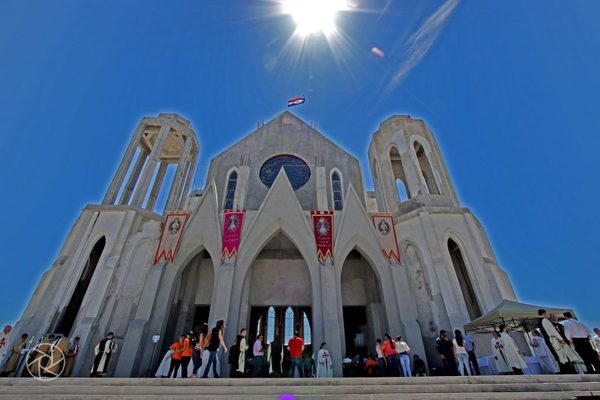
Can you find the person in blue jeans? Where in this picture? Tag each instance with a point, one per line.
(402, 349)
(296, 347)
(215, 340)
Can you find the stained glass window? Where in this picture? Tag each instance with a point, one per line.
(230, 193)
(289, 324)
(270, 324)
(295, 168)
(307, 333)
(336, 188)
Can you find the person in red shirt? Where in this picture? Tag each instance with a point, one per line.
(186, 355)
(391, 356)
(296, 346)
(177, 348)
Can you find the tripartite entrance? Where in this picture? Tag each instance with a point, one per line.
(362, 308)
(281, 322)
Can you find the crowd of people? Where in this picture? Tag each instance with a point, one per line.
(560, 347)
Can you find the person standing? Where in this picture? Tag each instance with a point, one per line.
(324, 365)
(579, 334)
(498, 349)
(542, 352)
(557, 344)
(71, 356)
(259, 356)
(511, 352)
(18, 349)
(103, 351)
(186, 355)
(596, 341)
(462, 356)
(470, 346)
(199, 348)
(215, 340)
(242, 350)
(4, 339)
(445, 349)
(275, 357)
(403, 350)
(391, 356)
(41, 356)
(380, 357)
(177, 349)
(296, 347)
(58, 355)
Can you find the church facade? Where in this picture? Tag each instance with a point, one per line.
(104, 278)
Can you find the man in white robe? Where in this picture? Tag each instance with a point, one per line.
(323, 362)
(543, 354)
(498, 349)
(596, 341)
(4, 338)
(565, 353)
(243, 348)
(511, 352)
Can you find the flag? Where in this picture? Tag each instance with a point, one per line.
(386, 232)
(323, 228)
(295, 101)
(232, 233)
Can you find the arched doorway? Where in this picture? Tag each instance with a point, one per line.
(277, 295)
(70, 312)
(466, 286)
(363, 310)
(190, 305)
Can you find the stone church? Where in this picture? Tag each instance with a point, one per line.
(104, 278)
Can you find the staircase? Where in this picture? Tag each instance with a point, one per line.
(538, 387)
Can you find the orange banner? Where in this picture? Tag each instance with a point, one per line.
(172, 231)
(386, 232)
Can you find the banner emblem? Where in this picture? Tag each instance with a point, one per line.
(323, 229)
(233, 222)
(386, 233)
(172, 231)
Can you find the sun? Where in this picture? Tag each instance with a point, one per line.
(314, 16)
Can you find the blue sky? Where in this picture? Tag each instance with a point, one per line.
(509, 87)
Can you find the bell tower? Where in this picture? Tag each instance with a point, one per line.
(406, 164)
(157, 143)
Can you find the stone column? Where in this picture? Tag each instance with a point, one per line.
(117, 182)
(153, 158)
(133, 177)
(183, 204)
(174, 194)
(331, 318)
(158, 181)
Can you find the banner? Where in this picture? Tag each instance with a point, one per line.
(172, 231)
(386, 232)
(323, 226)
(233, 221)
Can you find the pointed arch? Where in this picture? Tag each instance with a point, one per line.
(425, 167)
(399, 174)
(289, 324)
(464, 280)
(337, 190)
(72, 309)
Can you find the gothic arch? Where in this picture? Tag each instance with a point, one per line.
(422, 153)
(464, 273)
(399, 173)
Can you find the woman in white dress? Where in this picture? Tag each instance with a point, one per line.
(511, 352)
(324, 365)
(462, 356)
(500, 358)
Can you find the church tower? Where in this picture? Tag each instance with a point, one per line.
(451, 270)
(94, 286)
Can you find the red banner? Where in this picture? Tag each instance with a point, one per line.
(172, 231)
(386, 233)
(323, 226)
(233, 221)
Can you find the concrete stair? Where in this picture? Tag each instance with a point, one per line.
(438, 388)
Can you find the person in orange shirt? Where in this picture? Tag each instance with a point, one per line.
(186, 355)
(177, 348)
(391, 356)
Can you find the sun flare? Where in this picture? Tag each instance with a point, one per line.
(314, 16)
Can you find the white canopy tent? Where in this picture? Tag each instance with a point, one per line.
(517, 316)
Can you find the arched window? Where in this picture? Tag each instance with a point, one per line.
(258, 326)
(289, 324)
(270, 325)
(336, 189)
(463, 279)
(230, 191)
(426, 170)
(72, 309)
(306, 329)
(399, 175)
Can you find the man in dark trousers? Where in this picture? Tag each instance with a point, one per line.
(579, 333)
(445, 348)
